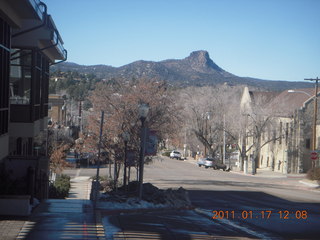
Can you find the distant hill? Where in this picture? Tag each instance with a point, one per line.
(195, 70)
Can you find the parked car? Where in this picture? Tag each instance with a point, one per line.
(208, 163)
(201, 162)
(218, 165)
(213, 163)
(175, 154)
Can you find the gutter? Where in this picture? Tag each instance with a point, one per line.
(44, 22)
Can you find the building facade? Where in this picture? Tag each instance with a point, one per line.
(57, 111)
(29, 44)
(285, 123)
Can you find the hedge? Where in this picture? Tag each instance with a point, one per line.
(60, 188)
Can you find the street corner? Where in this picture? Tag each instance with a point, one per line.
(314, 184)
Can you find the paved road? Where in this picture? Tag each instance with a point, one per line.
(262, 207)
(275, 207)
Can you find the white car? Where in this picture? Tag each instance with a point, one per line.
(175, 154)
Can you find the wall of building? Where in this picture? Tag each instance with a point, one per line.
(4, 146)
(57, 111)
(24, 81)
(274, 154)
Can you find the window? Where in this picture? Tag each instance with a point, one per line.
(20, 77)
(287, 133)
(308, 143)
(29, 83)
(280, 133)
(4, 75)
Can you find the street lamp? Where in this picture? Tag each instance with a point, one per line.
(207, 117)
(126, 139)
(299, 91)
(96, 182)
(143, 113)
(314, 125)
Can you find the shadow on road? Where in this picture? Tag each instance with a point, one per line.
(261, 212)
(75, 219)
(168, 225)
(225, 183)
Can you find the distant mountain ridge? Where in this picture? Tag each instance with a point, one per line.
(198, 69)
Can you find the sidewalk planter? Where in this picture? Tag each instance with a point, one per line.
(15, 205)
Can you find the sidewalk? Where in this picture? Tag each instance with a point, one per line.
(10, 226)
(71, 218)
(266, 173)
(269, 174)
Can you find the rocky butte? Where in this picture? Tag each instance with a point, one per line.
(198, 69)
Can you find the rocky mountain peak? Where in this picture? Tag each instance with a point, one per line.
(195, 70)
(201, 61)
(201, 56)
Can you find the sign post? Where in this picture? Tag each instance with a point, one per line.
(314, 157)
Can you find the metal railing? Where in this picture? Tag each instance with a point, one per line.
(36, 4)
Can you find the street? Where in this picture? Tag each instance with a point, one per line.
(268, 206)
(238, 205)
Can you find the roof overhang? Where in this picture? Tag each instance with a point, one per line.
(16, 11)
(44, 36)
(32, 27)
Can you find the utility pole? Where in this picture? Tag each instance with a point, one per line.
(224, 140)
(314, 128)
(96, 182)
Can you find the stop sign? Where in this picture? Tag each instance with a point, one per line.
(314, 155)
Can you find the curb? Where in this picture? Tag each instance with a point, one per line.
(259, 235)
(310, 184)
(141, 210)
(259, 175)
(99, 225)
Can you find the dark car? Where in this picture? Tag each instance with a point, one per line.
(216, 165)
(212, 163)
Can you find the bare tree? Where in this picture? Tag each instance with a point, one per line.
(57, 157)
(208, 111)
(257, 120)
(120, 99)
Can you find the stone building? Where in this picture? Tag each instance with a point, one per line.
(283, 143)
(57, 112)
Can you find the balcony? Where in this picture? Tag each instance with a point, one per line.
(36, 29)
(37, 7)
(25, 10)
(45, 37)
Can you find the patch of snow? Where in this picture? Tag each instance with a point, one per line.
(130, 203)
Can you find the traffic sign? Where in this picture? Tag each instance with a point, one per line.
(314, 155)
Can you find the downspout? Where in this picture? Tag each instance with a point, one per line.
(44, 22)
(65, 58)
(42, 49)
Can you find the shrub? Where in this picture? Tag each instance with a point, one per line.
(60, 188)
(314, 174)
(166, 154)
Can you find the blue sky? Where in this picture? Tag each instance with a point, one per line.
(267, 39)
